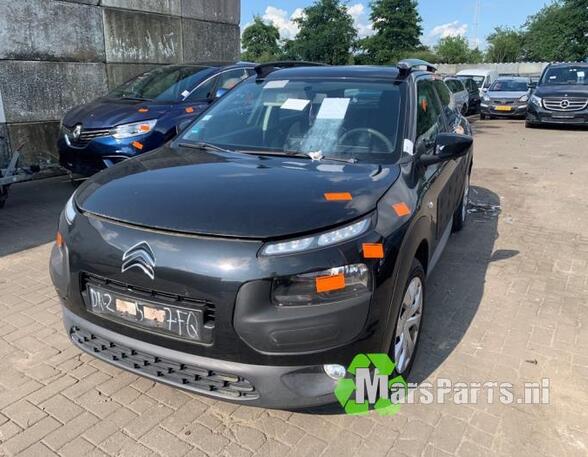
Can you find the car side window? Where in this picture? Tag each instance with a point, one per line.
(231, 78)
(429, 118)
(443, 92)
(204, 90)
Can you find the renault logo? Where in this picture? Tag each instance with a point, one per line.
(76, 132)
(139, 256)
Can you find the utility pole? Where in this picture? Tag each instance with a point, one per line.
(476, 43)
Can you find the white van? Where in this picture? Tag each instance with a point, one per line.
(483, 78)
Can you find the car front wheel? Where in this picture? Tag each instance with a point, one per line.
(408, 323)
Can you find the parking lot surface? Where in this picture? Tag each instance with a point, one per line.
(508, 302)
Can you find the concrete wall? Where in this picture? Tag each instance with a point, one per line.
(522, 68)
(55, 54)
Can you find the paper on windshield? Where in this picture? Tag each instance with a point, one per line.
(295, 104)
(279, 84)
(333, 108)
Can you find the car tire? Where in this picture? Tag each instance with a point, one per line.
(460, 217)
(409, 322)
(482, 116)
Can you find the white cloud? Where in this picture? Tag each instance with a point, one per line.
(361, 19)
(451, 29)
(284, 23)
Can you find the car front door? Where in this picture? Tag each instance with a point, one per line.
(437, 198)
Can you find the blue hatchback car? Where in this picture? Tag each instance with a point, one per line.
(142, 114)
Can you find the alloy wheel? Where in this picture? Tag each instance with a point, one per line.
(409, 323)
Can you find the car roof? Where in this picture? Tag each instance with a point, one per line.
(513, 78)
(343, 71)
(568, 64)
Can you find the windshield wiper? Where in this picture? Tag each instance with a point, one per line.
(204, 147)
(131, 97)
(305, 155)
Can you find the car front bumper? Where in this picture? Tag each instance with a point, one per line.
(492, 110)
(102, 152)
(539, 115)
(284, 387)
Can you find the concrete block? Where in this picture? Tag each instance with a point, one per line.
(119, 73)
(173, 7)
(50, 30)
(206, 41)
(4, 146)
(38, 140)
(228, 11)
(133, 37)
(42, 91)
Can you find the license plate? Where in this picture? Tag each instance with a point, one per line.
(173, 320)
(503, 108)
(563, 116)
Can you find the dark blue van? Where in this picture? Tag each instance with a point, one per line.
(142, 114)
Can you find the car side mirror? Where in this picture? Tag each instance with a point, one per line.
(183, 125)
(532, 86)
(220, 92)
(449, 146)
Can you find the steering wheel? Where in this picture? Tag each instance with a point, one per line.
(380, 136)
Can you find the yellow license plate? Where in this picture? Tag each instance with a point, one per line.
(503, 108)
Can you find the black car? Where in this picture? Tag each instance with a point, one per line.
(560, 97)
(289, 228)
(473, 94)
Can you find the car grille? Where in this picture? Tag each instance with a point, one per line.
(86, 136)
(190, 377)
(137, 292)
(565, 103)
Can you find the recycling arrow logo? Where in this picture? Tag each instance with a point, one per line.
(346, 387)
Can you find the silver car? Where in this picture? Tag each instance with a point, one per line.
(461, 96)
(507, 96)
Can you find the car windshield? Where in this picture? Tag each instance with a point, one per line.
(346, 119)
(510, 85)
(454, 85)
(574, 75)
(479, 80)
(172, 83)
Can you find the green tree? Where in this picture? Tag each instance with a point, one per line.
(558, 32)
(326, 34)
(260, 41)
(476, 56)
(397, 26)
(505, 45)
(453, 49)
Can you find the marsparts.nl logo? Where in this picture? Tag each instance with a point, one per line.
(371, 384)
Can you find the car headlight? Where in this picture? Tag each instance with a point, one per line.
(524, 98)
(536, 100)
(134, 129)
(322, 287)
(486, 98)
(317, 241)
(69, 212)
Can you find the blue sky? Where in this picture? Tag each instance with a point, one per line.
(440, 17)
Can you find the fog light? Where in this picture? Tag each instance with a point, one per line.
(335, 372)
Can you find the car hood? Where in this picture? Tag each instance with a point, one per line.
(505, 95)
(107, 112)
(563, 90)
(232, 194)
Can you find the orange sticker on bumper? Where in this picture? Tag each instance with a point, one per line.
(138, 145)
(143, 110)
(329, 283)
(338, 196)
(189, 109)
(373, 250)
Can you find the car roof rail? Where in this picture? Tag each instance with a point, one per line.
(264, 69)
(407, 66)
